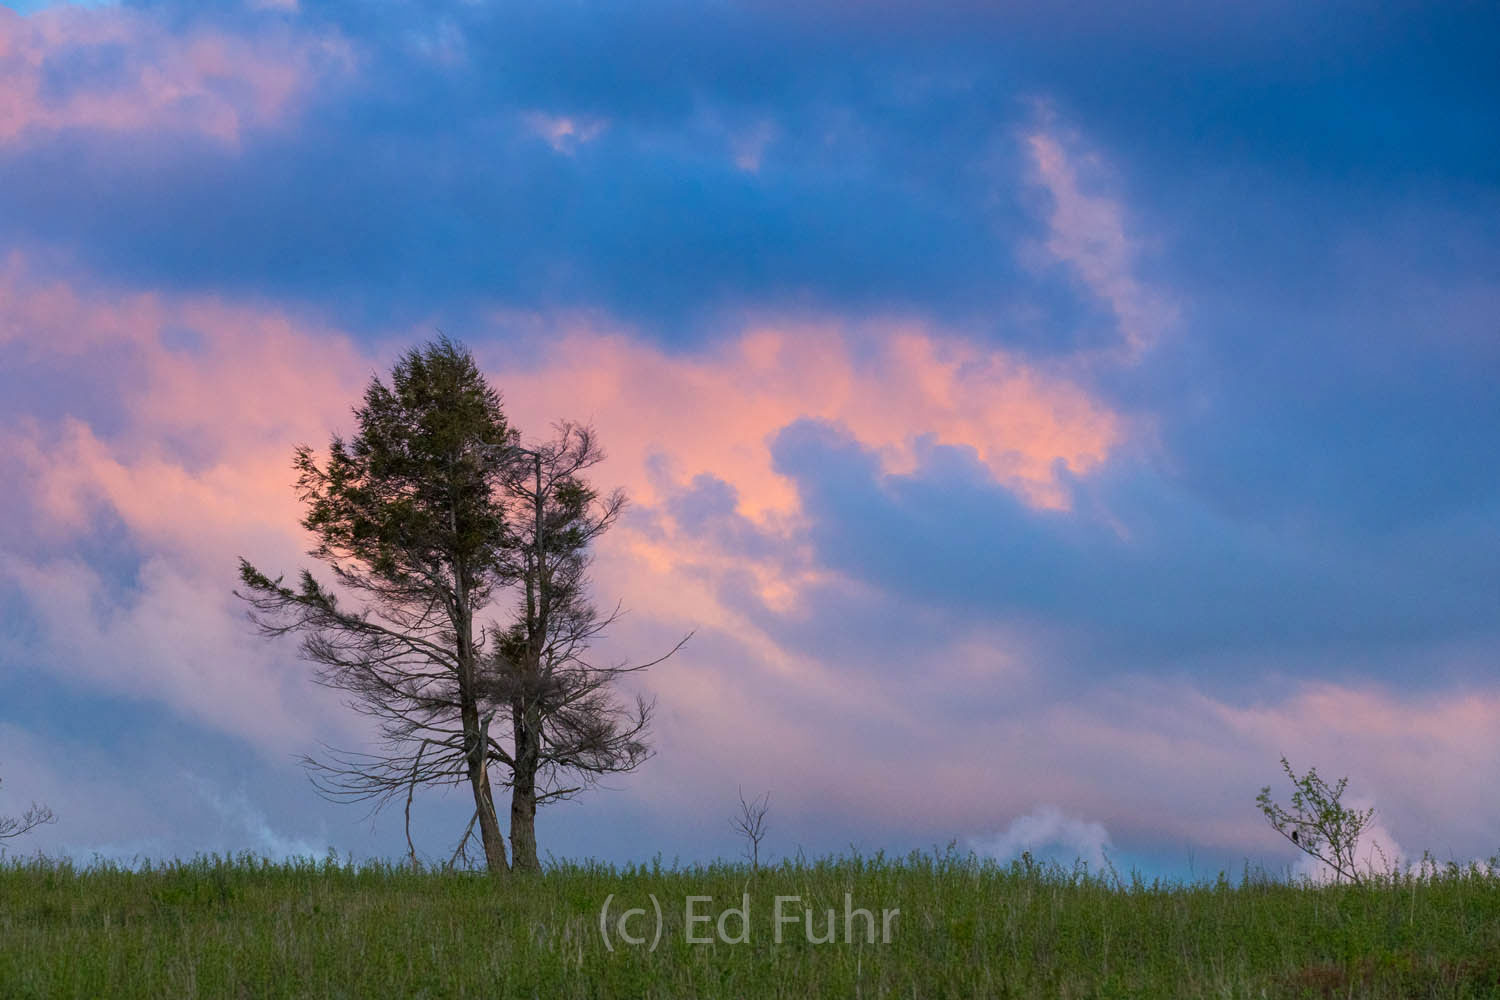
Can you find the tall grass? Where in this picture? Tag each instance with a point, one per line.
(247, 927)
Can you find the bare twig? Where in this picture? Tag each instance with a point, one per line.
(411, 788)
(750, 823)
(463, 842)
(19, 826)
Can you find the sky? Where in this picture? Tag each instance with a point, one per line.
(1045, 417)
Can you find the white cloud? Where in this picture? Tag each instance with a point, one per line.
(1046, 831)
(239, 818)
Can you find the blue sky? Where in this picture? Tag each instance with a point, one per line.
(1061, 414)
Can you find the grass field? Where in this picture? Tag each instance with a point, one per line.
(248, 928)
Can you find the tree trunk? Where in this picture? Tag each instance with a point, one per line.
(476, 737)
(489, 825)
(523, 802)
(527, 727)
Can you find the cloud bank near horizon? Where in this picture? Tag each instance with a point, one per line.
(997, 446)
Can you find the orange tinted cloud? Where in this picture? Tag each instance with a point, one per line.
(195, 473)
(667, 419)
(892, 387)
(209, 420)
(216, 395)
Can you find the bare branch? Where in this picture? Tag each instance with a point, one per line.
(750, 823)
(18, 826)
(463, 843)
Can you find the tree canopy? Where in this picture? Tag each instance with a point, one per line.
(425, 520)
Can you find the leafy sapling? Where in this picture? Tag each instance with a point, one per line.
(1317, 823)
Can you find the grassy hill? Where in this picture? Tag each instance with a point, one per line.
(251, 928)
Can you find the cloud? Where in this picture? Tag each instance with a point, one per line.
(124, 794)
(1140, 573)
(1127, 434)
(1046, 832)
(366, 201)
(1410, 754)
(118, 69)
(174, 635)
(210, 397)
(190, 471)
(749, 146)
(1087, 232)
(239, 818)
(896, 387)
(563, 132)
(748, 459)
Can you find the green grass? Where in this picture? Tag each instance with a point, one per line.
(248, 928)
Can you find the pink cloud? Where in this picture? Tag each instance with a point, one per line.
(203, 81)
(1177, 762)
(668, 419)
(565, 133)
(1087, 231)
(892, 386)
(47, 318)
(209, 425)
(1142, 760)
(196, 472)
